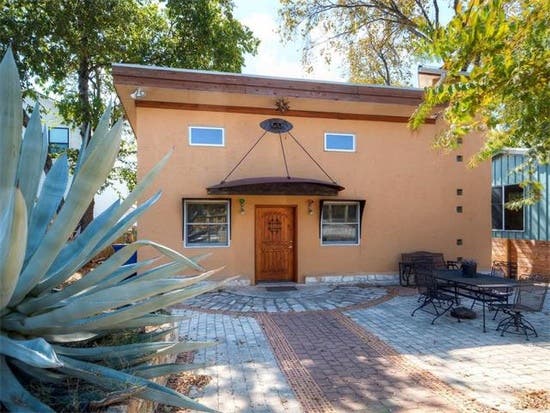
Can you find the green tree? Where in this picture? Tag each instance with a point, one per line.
(496, 58)
(376, 36)
(66, 47)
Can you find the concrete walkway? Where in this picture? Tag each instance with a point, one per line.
(356, 349)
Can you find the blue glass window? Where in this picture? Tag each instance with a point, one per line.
(342, 142)
(58, 139)
(202, 136)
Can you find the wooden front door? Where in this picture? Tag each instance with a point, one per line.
(275, 256)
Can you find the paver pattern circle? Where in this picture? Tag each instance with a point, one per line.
(258, 299)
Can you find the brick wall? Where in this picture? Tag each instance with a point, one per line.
(532, 257)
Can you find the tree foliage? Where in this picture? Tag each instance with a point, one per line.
(66, 47)
(376, 36)
(496, 58)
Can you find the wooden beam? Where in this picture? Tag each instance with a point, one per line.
(180, 79)
(274, 113)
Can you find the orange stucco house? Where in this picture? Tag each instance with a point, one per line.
(296, 180)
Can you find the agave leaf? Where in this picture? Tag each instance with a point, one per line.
(110, 379)
(183, 347)
(76, 254)
(110, 353)
(118, 228)
(102, 129)
(85, 184)
(31, 161)
(42, 375)
(12, 248)
(11, 119)
(88, 244)
(144, 183)
(82, 151)
(112, 319)
(146, 321)
(129, 354)
(152, 335)
(68, 338)
(96, 277)
(105, 300)
(37, 352)
(159, 370)
(104, 321)
(15, 397)
(51, 195)
(81, 241)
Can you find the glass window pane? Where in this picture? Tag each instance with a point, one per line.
(206, 223)
(340, 234)
(496, 207)
(339, 142)
(513, 219)
(340, 212)
(59, 135)
(207, 234)
(206, 136)
(206, 213)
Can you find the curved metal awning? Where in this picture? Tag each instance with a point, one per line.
(275, 185)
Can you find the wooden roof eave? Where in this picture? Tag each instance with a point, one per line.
(144, 76)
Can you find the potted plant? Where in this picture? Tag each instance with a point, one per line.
(469, 268)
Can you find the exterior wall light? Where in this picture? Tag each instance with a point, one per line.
(137, 94)
(310, 206)
(241, 203)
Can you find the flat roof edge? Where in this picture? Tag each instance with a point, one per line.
(150, 73)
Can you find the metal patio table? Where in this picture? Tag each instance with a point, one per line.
(480, 288)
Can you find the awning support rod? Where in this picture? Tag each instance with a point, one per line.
(284, 155)
(243, 158)
(312, 158)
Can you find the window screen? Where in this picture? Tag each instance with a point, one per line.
(206, 223)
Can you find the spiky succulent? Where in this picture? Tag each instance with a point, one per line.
(51, 329)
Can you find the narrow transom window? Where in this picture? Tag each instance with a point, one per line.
(206, 223)
(340, 224)
(206, 136)
(58, 139)
(502, 217)
(341, 142)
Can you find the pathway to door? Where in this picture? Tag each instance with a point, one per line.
(305, 351)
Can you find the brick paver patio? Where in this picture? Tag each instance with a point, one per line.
(366, 356)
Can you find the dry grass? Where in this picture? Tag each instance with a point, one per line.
(184, 383)
(534, 400)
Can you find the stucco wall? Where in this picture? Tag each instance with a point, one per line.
(409, 188)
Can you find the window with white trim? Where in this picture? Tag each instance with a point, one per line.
(206, 222)
(504, 219)
(58, 139)
(206, 136)
(340, 142)
(340, 223)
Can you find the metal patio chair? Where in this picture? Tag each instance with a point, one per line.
(529, 299)
(432, 299)
(502, 295)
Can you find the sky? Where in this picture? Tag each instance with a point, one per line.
(275, 58)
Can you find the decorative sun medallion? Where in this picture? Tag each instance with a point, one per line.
(282, 105)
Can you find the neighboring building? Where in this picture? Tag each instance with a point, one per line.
(62, 137)
(339, 188)
(522, 236)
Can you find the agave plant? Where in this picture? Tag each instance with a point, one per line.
(52, 329)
